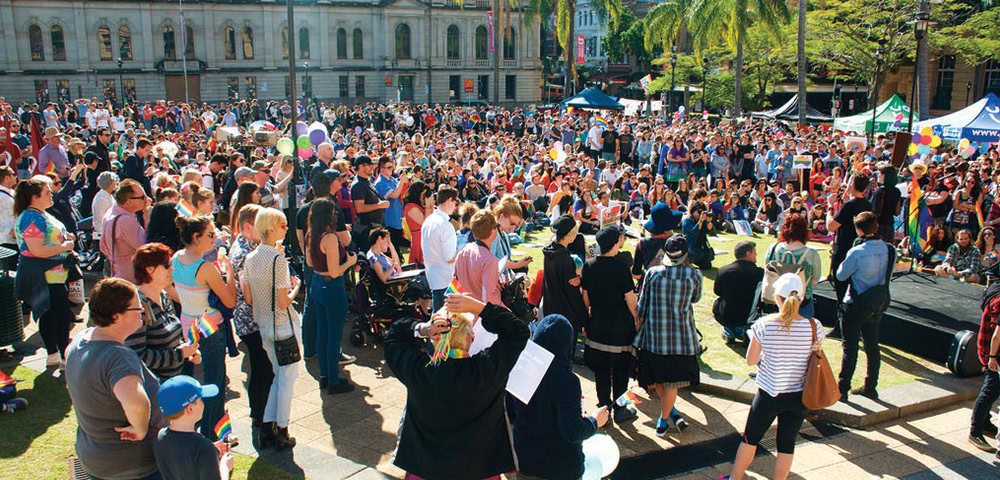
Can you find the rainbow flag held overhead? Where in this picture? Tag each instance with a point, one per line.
(919, 221)
(455, 287)
(185, 209)
(224, 428)
(600, 121)
(627, 398)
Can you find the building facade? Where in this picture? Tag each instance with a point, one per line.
(346, 51)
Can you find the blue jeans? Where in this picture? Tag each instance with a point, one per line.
(734, 332)
(308, 318)
(806, 309)
(437, 299)
(329, 299)
(213, 363)
(279, 399)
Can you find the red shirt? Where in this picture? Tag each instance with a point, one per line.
(160, 111)
(986, 328)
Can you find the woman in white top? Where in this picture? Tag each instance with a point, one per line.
(780, 345)
(270, 289)
(104, 200)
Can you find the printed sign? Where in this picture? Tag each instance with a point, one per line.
(580, 48)
(802, 162)
(470, 85)
(855, 144)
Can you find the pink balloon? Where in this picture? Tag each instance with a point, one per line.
(305, 152)
(557, 145)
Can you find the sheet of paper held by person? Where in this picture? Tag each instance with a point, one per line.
(528, 371)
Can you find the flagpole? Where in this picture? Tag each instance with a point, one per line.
(184, 50)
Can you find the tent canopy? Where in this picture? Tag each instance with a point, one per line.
(979, 122)
(593, 98)
(885, 116)
(790, 111)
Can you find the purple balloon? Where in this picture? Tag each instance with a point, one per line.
(357, 130)
(317, 136)
(301, 129)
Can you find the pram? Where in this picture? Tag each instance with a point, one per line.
(377, 304)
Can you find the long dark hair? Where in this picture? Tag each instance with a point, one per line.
(190, 226)
(162, 225)
(244, 196)
(322, 220)
(25, 191)
(416, 193)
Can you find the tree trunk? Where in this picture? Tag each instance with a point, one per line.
(802, 62)
(924, 93)
(738, 101)
(570, 78)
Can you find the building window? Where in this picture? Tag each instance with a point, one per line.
(992, 77)
(188, 42)
(284, 44)
(128, 89)
(41, 89)
(343, 87)
(945, 82)
(341, 43)
(304, 43)
(229, 43)
(403, 41)
(251, 83)
(359, 44)
(35, 41)
(454, 87)
(482, 43)
(510, 87)
(62, 90)
(484, 87)
(233, 91)
(124, 43)
(452, 42)
(247, 43)
(104, 42)
(110, 93)
(510, 44)
(406, 87)
(359, 87)
(58, 43)
(169, 46)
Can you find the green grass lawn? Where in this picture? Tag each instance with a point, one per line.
(898, 367)
(36, 444)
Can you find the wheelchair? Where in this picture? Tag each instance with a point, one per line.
(378, 305)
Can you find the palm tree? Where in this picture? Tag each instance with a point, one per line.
(732, 19)
(802, 62)
(667, 24)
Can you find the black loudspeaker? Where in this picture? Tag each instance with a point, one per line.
(903, 140)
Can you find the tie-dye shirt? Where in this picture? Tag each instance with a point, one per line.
(35, 224)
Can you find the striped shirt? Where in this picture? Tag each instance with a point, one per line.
(666, 307)
(158, 339)
(784, 354)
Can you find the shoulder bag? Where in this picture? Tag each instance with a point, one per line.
(286, 350)
(773, 269)
(821, 389)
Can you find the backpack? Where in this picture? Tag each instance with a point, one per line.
(776, 268)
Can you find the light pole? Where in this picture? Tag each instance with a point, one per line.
(919, 31)
(968, 90)
(879, 52)
(704, 85)
(673, 69)
(121, 82)
(185, 40)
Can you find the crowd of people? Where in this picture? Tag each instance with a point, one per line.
(211, 241)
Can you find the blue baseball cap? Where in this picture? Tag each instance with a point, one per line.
(178, 392)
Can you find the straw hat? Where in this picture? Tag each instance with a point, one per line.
(919, 165)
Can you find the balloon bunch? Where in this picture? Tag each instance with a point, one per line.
(557, 153)
(307, 137)
(898, 121)
(966, 148)
(924, 141)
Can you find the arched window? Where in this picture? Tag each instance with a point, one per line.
(510, 44)
(169, 43)
(124, 43)
(341, 43)
(284, 43)
(452, 43)
(35, 41)
(247, 43)
(304, 43)
(403, 41)
(359, 44)
(58, 43)
(229, 43)
(482, 43)
(188, 42)
(104, 42)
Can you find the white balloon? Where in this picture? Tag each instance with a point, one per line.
(604, 449)
(409, 121)
(680, 109)
(592, 469)
(320, 126)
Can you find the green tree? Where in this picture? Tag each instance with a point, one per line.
(666, 24)
(627, 38)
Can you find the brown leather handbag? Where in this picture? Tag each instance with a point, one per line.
(821, 389)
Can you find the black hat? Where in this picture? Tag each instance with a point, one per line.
(662, 219)
(362, 160)
(563, 225)
(607, 238)
(675, 250)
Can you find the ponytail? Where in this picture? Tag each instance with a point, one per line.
(789, 311)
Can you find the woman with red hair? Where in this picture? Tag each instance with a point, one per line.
(791, 248)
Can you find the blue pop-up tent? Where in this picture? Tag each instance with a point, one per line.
(979, 122)
(595, 99)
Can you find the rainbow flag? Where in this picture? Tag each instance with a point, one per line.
(455, 287)
(191, 333)
(205, 327)
(51, 168)
(224, 428)
(919, 221)
(6, 380)
(627, 398)
(600, 121)
(185, 209)
(570, 110)
(980, 216)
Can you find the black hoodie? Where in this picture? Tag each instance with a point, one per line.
(558, 296)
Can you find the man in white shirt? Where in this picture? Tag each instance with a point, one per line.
(611, 174)
(595, 141)
(91, 118)
(102, 116)
(51, 116)
(440, 244)
(208, 117)
(7, 219)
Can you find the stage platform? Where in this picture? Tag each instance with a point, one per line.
(924, 315)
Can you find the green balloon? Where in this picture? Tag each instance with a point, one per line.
(285, 146)
(304, 142)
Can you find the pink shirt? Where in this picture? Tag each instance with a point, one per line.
(127, 238)
(476, 270)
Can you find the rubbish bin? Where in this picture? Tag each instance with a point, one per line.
(11, 325)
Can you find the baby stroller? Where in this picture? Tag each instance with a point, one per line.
(379, 304)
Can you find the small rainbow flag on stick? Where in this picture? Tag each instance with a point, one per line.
(600, 121)
(224, 428)
(979, 215)
(627, 398)
(192, 333)
(205, 326)
(455, 287)
(185, 209)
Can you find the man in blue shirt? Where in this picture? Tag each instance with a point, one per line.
(389, 188)
(866, 266)
(695, 226)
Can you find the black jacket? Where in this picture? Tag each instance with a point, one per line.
(558, 296)
(737, 287)
(549, 431)
(454, 426)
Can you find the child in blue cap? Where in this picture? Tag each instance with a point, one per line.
(181, 452)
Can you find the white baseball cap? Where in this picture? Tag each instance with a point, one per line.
(788, 283)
